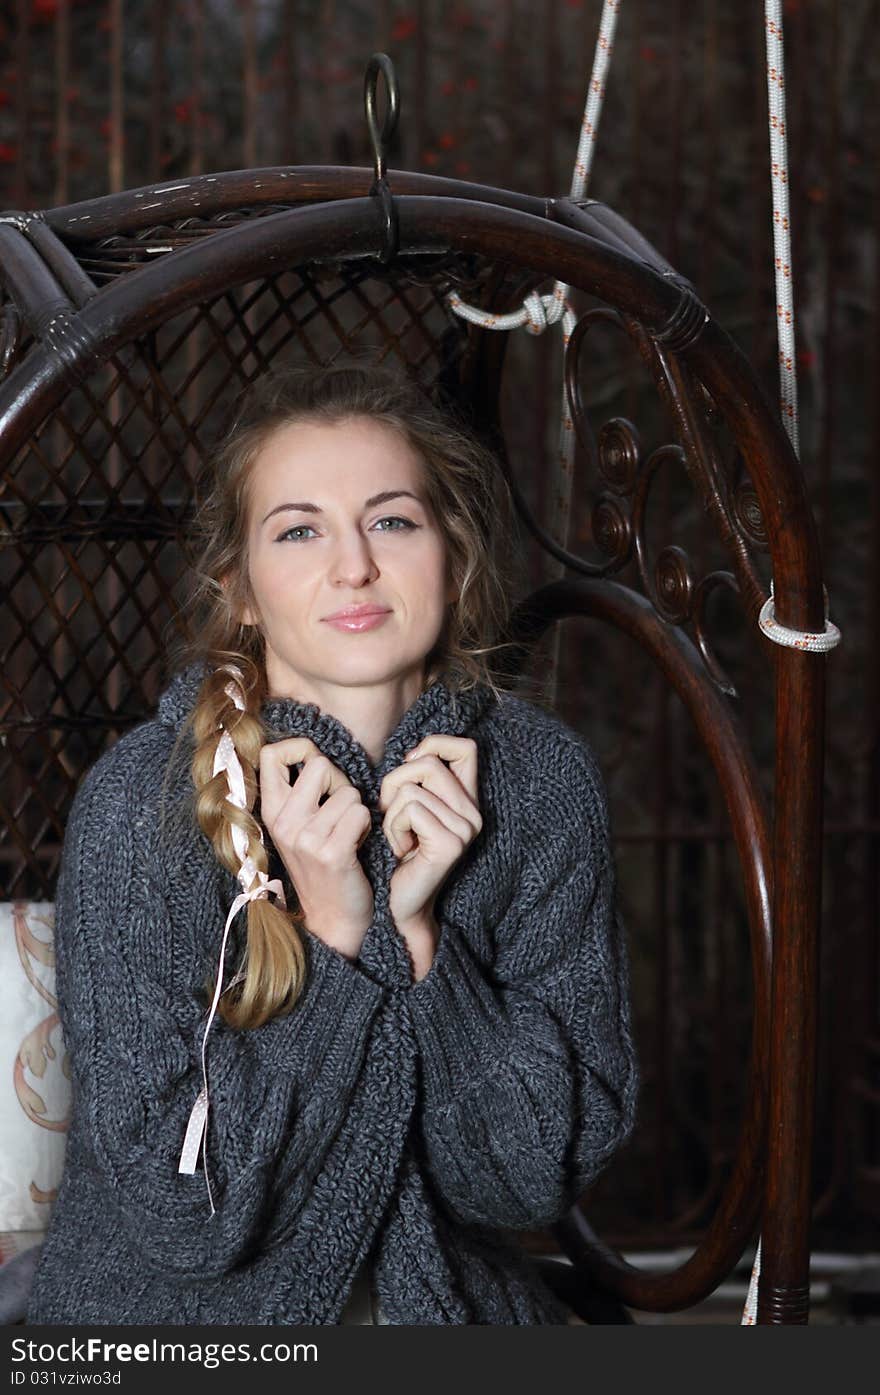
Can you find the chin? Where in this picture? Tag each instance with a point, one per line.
(365, 669)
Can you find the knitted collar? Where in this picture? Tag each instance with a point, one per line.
(438, 709)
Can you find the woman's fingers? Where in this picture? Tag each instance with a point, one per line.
(324, 823)
(319, 776)
(430, 772)
(318, 843)
(459, 751)
(352, 826)
(403, 821)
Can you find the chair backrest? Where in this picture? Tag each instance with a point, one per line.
(126, 322)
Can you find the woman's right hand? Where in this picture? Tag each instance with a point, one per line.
(318, 843)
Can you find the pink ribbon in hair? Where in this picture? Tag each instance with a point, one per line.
(226, 759)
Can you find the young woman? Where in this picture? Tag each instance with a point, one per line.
(339, 971)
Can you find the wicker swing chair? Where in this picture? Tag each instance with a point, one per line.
(115, 352)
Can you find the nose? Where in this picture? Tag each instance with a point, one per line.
(353, 563)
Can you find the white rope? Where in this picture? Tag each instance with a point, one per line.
(539, 311)
(788, 399)
(798, 639)
(750, 1311)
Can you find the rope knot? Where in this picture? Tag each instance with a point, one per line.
(536, 316)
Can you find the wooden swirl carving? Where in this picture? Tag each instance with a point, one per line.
(625, 478)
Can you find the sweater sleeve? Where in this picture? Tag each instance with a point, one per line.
(277, 1093)
(528, 1070)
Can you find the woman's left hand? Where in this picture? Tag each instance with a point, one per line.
(431, 817)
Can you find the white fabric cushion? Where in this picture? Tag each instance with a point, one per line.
(35, 1089)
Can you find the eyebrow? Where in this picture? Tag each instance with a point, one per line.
(386, 494)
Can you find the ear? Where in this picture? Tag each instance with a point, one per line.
(245, 616)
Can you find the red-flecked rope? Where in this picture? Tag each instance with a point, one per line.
(788, 399)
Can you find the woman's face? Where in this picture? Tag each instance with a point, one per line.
(322, 539)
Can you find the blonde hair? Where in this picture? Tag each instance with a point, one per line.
(471, 502)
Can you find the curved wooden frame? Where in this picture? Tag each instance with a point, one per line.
(77, 326)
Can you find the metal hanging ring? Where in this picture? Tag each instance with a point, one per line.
(380, 140)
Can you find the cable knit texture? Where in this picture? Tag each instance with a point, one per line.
(408, 1126)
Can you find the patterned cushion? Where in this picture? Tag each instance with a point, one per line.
(35, 1093)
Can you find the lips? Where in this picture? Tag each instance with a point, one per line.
(358, 618)
(354, 612)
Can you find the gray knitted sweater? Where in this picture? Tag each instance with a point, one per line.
(411, 1126)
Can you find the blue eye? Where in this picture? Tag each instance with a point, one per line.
(298, 527)
(407, 523)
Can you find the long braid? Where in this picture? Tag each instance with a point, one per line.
(224, 720)
(228, 739)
